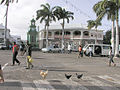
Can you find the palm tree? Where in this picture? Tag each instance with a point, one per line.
(46, 14)
(108, 8)
(117, 26)
(7, 2)
(63, 15)
(91, 24)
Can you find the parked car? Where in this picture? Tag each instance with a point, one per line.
(51, 49)
(46, 49)
(3, 46)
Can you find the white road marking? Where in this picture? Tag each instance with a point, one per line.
(100, 84)
(43, 85)
(26, 86)
(110, 79)
(4, 66)
(74, 85)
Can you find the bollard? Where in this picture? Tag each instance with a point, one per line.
(1, 75)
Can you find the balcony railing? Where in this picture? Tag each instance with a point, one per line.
(86, 36)
(76, 36)
(60, 36)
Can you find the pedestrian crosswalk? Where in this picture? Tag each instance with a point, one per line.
(96, 82)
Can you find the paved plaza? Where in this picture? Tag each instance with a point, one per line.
(97, 75)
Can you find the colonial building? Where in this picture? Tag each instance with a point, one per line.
(2, 35)
(74, 35)
(32, 34)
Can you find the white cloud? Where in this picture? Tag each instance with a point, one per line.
(19, 15)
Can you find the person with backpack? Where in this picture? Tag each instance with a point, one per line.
(15, 53)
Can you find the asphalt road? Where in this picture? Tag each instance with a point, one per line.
(97, 75)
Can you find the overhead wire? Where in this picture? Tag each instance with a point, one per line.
(80, 11)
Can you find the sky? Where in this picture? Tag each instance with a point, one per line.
(20, 14)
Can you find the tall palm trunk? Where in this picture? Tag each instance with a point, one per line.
(96, 37)
(117, 34)
(63, 34)
(47, 36)
(117, 39)
(113, 39)
(6, 16)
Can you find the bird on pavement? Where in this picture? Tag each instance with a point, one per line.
(68, 76)
(79, 76)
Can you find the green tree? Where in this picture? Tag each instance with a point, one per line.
(108, 8)
(91, 24)
(6, 2)
(46, 14)
(63, 15)
(107, 37)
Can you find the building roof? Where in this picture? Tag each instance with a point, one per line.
(69, 26)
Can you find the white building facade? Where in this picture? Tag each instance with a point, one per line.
(2, 34)
(75, 36)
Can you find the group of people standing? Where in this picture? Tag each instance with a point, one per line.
(79, 49)
(24, 49)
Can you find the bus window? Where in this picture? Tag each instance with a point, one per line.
(106, 47)
(98, 49)
(91, 46)
(85, 46)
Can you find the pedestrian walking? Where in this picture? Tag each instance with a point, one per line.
(111, 57)
(80, 51)
(22, 48)
(69, 48)
(29, 53)
(15, 53)
(90, 51)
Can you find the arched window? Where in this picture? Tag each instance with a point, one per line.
(86, 33)
(76, 33)
(67, 33)
(57, 33)
(49, 33)
(92, 34)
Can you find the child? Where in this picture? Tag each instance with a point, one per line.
(29, 54)
(29, 62)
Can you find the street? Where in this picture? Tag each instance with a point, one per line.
(97, 75)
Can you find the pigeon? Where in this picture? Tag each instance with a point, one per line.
(68, 76)
(79, 76)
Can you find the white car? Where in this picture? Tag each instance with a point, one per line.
(3, 46)
(46, 49)
(51, 49)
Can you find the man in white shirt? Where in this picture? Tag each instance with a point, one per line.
(90, 51)
(69, 48)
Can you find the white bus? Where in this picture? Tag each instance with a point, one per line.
(97, 49)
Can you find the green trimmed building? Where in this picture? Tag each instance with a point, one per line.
(32, 35)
